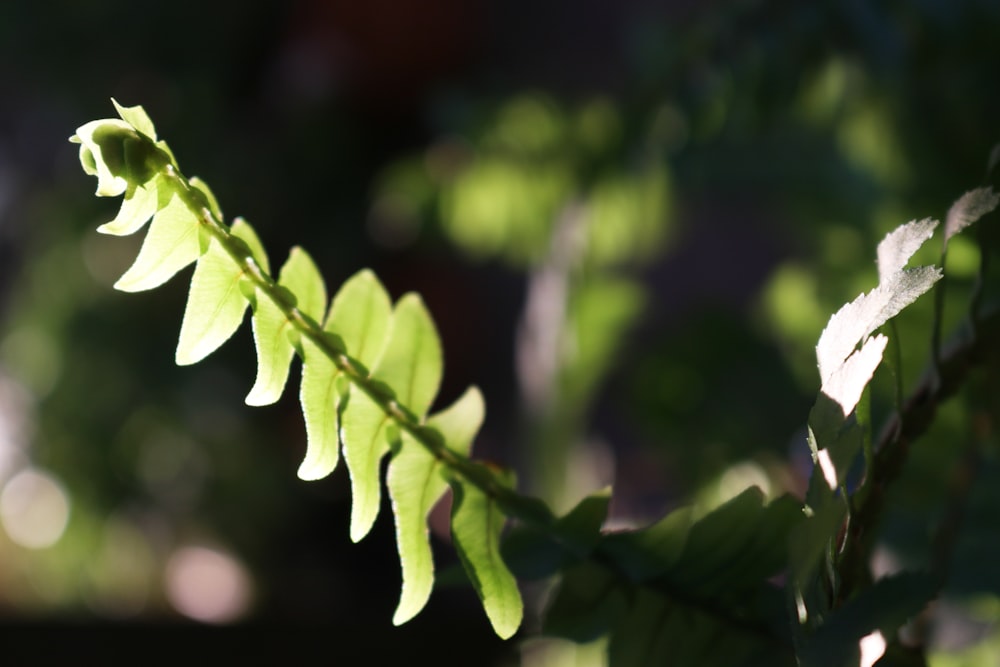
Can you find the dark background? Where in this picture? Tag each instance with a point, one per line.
(796, 134)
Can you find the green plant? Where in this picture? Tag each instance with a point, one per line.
(747, 582)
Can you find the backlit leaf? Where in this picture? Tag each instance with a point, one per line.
(141, 202)
(360, 315)
(272, 329)
(171, 244)
(411, 363)
(215, 305)
(320, 398)
(476, 524)
(136, 117)
(415, 484)
(366, 438)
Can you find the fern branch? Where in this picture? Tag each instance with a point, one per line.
(515, 505)
(913, 420)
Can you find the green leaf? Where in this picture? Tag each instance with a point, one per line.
(171, 244)
(141, 202)
(272, 328)
(651, 551)
(640, 639)
(459, 423)
(532, 552)
(136, 117)
(366, 439)
(102, 153)
(320, 398)
(581, 527)
(476, 524)
(360, 314)
(586, 603)
(718, 542)
(301, 277)
(215, 304)
(411, 364)
(415, 485)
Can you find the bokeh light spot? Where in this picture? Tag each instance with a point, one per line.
(34, 509)
(207, 585)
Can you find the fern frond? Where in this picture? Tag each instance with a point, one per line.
(371, 370)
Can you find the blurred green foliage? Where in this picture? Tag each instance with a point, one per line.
(732, 167)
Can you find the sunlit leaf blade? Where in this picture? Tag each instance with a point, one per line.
(320, 401)
(274, 351)
(899, 245)
(869, 311)
(136, 117)
(968, 209)
(215, 304)
(365, 435)
(846, 384)
(459, 422)
(140, 204)
(415, 484)
(272, 329)
(361, 315)
(476, 524)
(301, 277)
(411, 363)
(171, 244)
(101, 153)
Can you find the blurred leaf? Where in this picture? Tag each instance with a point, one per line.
(586, 603)
(651, 551)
